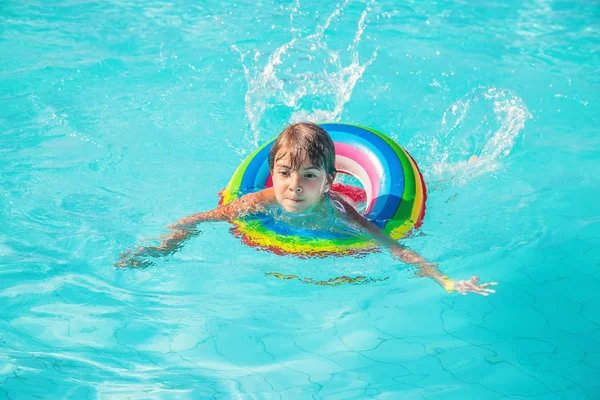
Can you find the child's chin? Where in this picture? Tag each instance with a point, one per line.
(295, 209)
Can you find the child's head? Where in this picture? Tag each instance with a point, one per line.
(302, 163)
(305, 141)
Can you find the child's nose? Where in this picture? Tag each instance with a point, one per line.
(295, 183)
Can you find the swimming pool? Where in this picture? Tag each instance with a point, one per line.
(120, 117)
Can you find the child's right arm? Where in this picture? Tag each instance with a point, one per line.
(226, 212)
(185, 227)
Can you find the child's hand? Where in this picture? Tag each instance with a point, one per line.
(126, 259)
(472, 285)
(131, 259)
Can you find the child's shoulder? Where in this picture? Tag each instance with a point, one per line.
(342, 199)
(258, 200)
(349, 209)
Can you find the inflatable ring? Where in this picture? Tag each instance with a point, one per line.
(393, 185)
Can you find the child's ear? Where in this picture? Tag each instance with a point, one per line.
(330, 180)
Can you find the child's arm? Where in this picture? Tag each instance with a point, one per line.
(249, 203)
(411, 257)
(185, 227)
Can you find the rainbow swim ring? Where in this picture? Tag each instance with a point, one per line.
(393, 185)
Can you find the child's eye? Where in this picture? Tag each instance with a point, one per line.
(310, 176)
(284, 173)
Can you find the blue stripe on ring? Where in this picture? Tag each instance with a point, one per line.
(263, 174)
(249, 183)
(283, 228)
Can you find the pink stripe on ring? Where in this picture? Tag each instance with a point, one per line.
(363, 159)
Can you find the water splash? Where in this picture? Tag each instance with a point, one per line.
(303, 79)
(478, 132)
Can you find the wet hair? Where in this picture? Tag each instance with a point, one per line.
(302, 141)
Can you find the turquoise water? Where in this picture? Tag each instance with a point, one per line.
(117, 118)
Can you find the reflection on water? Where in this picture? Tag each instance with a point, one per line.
(340, 280)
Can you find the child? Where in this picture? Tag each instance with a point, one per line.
(302, 163)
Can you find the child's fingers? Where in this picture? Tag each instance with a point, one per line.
(471, 285)
(488, 284)
(485, 292)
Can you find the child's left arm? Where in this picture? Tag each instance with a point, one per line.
(411, 257)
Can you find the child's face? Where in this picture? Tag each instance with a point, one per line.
(298, 191)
